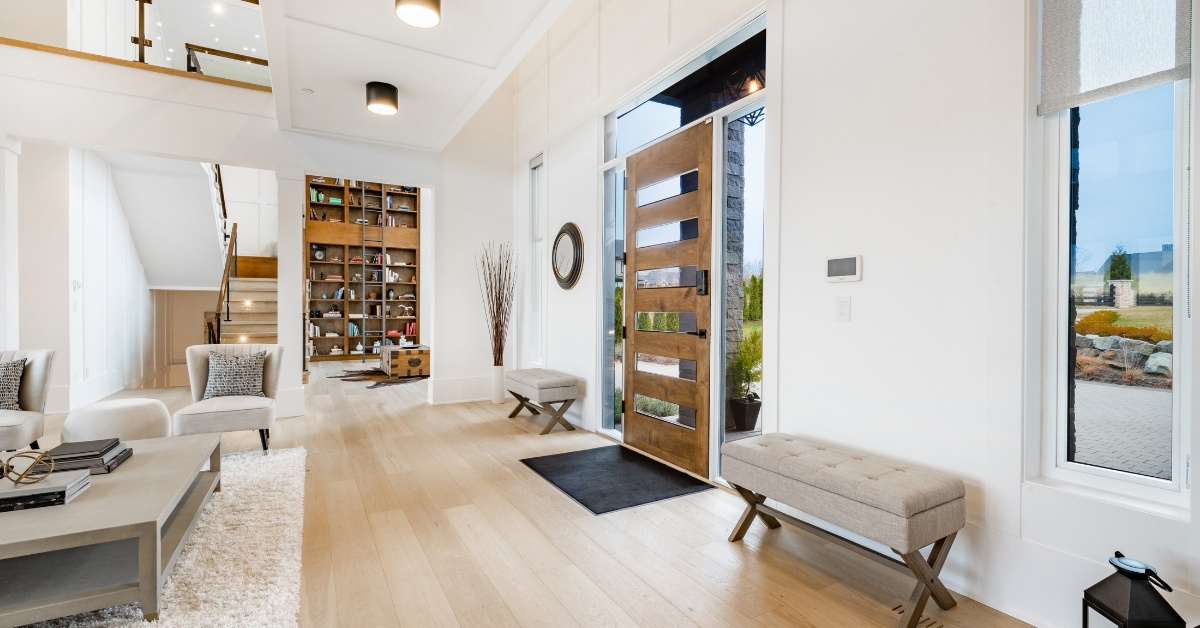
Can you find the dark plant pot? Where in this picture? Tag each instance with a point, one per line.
(744, 412)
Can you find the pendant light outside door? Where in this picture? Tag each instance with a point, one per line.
(419, 13)
(382, 98)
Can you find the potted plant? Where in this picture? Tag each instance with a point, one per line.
(745, 369)
(498, 283)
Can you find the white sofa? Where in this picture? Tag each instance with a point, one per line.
(235, 413)
(24, 427)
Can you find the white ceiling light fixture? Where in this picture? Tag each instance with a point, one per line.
(382, 98)
(419, 13)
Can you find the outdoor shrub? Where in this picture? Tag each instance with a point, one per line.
(655, 407)
(619, 318)
(618, 400)
(1103, 323)
(746, 366)
(1118, 266)
(1089, 365)
(643, 321)
(752, 299)
(1134, 375)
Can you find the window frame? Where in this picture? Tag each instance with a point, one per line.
(1175, 493)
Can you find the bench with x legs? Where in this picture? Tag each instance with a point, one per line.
(539, 389)
(897, 504)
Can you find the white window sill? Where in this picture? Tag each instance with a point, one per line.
(1148, 506)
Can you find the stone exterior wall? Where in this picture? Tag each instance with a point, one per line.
(735, 233)
(1123, 295)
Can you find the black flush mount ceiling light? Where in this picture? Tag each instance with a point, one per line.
(382, 98)
(419, 13)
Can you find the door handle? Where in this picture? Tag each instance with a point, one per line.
(701, 283)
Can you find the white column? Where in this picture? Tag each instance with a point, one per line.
(291, 290)
(10, 314)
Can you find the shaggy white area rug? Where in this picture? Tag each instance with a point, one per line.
(241, 566)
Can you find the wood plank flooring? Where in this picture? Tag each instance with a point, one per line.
(419, 515)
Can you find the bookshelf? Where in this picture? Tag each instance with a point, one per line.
(362, 249)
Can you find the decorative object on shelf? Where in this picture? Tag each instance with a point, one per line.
(357, 277)
(497, 283)
(320, 197)
(567, 258)
(382, 98)
(410, 190)
(375, 276)
(336, 350)
(40, 466)
(318, 253)
(351, 294)
(419, 13)
(391, 294)
(1128, 598)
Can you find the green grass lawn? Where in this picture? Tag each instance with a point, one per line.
(1145, 315)
(749, 326)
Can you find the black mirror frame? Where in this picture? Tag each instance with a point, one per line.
(569, 230)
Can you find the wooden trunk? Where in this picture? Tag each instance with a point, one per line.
(404, 362)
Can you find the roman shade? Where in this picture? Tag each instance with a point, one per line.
(1097, 49)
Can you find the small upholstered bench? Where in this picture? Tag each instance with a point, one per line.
(898, 504)
(538, 389)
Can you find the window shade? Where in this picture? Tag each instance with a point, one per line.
(1097, 49)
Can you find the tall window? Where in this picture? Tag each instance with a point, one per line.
(1123, 210)
(531, 338)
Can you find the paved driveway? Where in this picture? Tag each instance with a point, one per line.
(1123, 427)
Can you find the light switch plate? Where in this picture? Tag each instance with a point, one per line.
(841, 309)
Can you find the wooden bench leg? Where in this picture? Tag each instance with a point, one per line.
(752, 500)
(522, 402)
(556, 415)
(928, 581)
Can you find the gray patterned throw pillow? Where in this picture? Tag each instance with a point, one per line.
(230, 375)
(10, 384)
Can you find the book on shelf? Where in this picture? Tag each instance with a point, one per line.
(410, 328)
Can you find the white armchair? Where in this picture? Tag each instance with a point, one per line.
(20, 428)
(233, 413)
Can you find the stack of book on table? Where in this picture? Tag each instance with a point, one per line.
(97, 456)
(55, 490)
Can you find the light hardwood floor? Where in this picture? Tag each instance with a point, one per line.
(418, 515)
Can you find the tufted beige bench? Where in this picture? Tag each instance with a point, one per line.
(898, 504)
(538, 389)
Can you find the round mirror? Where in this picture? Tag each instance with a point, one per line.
(567, 257)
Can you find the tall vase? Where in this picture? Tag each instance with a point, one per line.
(498, 384)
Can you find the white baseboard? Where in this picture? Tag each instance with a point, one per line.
(460, 390)
(289, 402)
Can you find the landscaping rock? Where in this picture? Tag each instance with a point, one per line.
(1083, 342)
(1136, 346)
(1089, 353)
(1165, 346)
(1104, 343)
(1123, 359)
(1159, 364)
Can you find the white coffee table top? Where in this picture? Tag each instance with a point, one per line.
(144, 489)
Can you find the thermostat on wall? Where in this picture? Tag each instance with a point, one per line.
(843, 268)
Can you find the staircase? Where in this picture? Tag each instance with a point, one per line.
(252, 312)
(247, 306)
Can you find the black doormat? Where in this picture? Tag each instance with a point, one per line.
(605, 479)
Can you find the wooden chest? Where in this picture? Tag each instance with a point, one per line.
(404, 362)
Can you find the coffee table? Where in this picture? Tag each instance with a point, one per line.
(115, 543)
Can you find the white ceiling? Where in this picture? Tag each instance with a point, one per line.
(170, 214)
(443, 74)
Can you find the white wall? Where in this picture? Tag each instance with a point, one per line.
(38, 21)
(473, 207)
(252, 201)
(45, 289)
(905, 133)
(112, 310)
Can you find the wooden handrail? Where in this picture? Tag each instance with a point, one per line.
(17, 43)
(221, 192)
(192, 49)
(230, 262)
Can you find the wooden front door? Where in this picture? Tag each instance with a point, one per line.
(668, 202)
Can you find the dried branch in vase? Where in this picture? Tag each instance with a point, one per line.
(498, 283)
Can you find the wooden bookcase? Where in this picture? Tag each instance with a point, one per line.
(375, 265)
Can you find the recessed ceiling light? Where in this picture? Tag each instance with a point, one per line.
(170, 50)
(256, 36)
(382, 98)
(160, 37)
(168, 58)
(216, 39)
(217, 8)
(245, 47)
(211, 25)
(419, 13)
(254, 50)
(306, 90)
